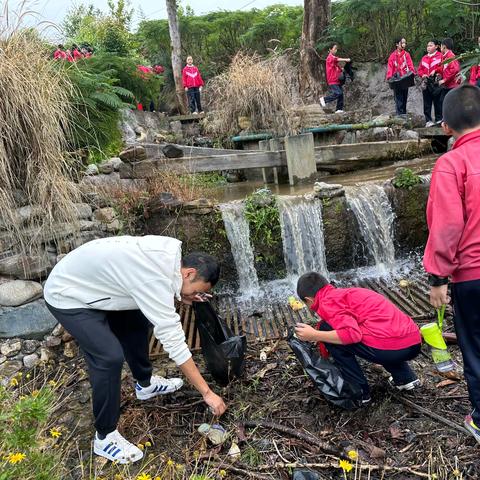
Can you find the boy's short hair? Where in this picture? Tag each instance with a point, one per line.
(448, 42)
(331, 45)
(309, 284)
(398, 40)
(206, 265)
(461, 108)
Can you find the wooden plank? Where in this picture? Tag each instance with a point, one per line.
(428, 132)
(186, 118)
(154, 150)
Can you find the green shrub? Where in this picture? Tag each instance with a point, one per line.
(405, 178)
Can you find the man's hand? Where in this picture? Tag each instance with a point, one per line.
(216, 403)
(441, 82)
(186, 89)
(439, 296)
(306, 332)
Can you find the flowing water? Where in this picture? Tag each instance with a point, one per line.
(302, 235)
(375, 216)
(238, 233)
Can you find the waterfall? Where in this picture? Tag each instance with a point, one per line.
(375, 216)
(238, 233)
(302, 235)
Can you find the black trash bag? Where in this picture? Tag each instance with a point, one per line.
(403, 82)
(305, 475)
(326, 376)
(347, 72)
(224, 352)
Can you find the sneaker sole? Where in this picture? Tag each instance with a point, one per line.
(147, 396)
(121, 461)
(470, 429)
(408, 387)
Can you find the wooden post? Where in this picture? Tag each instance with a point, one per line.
(275, 146)
(263, 145)
(300, 157)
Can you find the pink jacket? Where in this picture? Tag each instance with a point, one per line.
(191, 77)
(451, 71)
(400, 62)
(362, 315)
(333, 70)
(453, 213)
(430, 63)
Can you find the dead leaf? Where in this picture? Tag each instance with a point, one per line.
(395, 431)
(452, 375)
(265, 369)
(445, 383)
(241, 433)
(375, 452)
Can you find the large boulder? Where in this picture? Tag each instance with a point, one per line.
(19, 292)
(133, 154)
(33, 320)
(26, 266)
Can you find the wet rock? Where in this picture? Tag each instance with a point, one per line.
(115, 162)
(171, 151)
(30, 321)
(25, 266)
(92, 169)
(83, 210)
(70, 350)
(19, 292)
(46, 355)
(30, 361)
(52, 341)
(30, 346)
(408, 135)
(10, 349)
(105, 215)
(133, 154)
(58, 330)
(106, 168)
(328, 190)
(201, 206)
(8, 370)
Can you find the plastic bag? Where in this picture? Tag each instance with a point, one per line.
(224, 353)
(326, 376)
(397, 82)
(305, 475)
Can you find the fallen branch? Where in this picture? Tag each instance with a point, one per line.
(308, 437)
(241, 471)
(358, 467)
(433, 415)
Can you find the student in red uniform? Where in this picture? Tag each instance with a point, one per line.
(475, 76)
(193, 83)
(356, 322)
(76, 53)
(430, 66)
(59, 53)
(453, 247)
(450, 74)
(399, 64)
(334, 71)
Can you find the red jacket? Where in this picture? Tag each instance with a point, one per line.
(451, 71)
(362, 315)
(77, 55)
(333, 70)
(453, 213)
(59, 55)
(430, 63)
(400, 62)
(474, 74)
(191, 77)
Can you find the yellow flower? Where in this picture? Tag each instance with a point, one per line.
(158, 478)
(14, 382)
(55, 433)
(118, 477)
(141, 447)
(14, 458)
(20, 374)
(52, 383)
(170, 462)
(148, 444)
(144, 476)
(35, 393)
(345, 465)
(222, 473)
(352, 454)
(28, 376)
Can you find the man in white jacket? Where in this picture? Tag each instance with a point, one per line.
(107, 294)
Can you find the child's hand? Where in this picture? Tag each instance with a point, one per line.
(306, 332)
(439, 296)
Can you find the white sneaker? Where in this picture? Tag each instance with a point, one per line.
(406, 386)
(429, 124)
(194, 113)
(322, 102)
(117, 448)
(158, 386)
(338, 111)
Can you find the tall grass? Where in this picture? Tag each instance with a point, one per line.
(259, 89)
(34, 113)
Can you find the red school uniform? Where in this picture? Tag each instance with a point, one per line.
(362, 315)
(333, 70)
(474, 75)
(191, 77)
(399, 62)
(453, 213)
(430, 63)
(451, 71)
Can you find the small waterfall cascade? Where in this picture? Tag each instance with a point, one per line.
(238, 234)
(302, 235)
(375, 217)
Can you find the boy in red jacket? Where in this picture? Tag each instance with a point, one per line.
(334, 71)
(450, 74)
(430, 66)
(193, 83)
(453, 246)
(399, 64)
(357, 322)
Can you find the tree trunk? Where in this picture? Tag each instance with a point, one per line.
(316, 18)
(176, 55)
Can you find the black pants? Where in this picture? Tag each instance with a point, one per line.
(193, 94)
(394, 361)
(401, 96)
(466, 304)
(106, 339)
(428, 100)
(335, 93)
